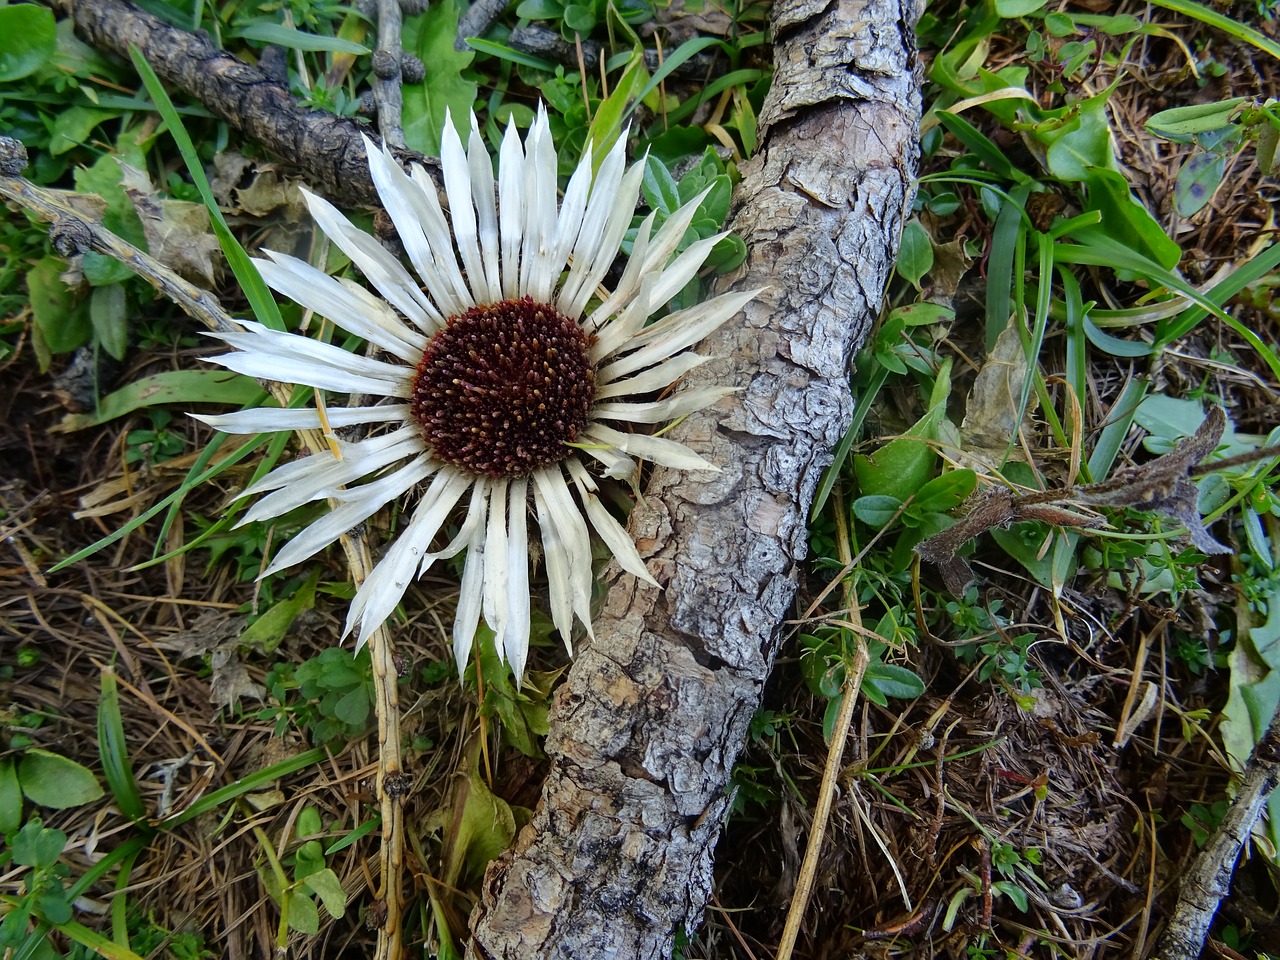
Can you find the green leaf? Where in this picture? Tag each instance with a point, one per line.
(1115, 345)
(945, 492)
(37, 845)
(54, 781)
(606, 125)
(1182, 122)
(893, 681)
(1081, 144)
(660, 189)
(272, 627)
(255, 288)
(1199, 177)
(540, 10)
(28, 38)
(431, 37)
(280, 35)
(1017, 8)
(302, 912)
(109, 315)
(182, 387)
(326, 885)
(503, 52)
(876, 510)
(915, 253)
(61, 321)
(10, 797)
(1125, 221)
(113, 750)
(580, 18)
(483, 827)
(73, 126)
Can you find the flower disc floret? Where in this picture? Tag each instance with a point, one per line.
(503, 388)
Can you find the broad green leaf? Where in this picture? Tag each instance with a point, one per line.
(37, 845)
(10, 797)
(1017, 8)
(915, 253)
(109, 315)
(61, 322)
(326, 885)
(945, 492)
(1197, 181)
(302, 912)
(661, 191)
(73, 125)
(1182, 122)
(182, 387)
(272, 627)
(894, 681)
(876, 510)
(431, 36)
(1125, 221)
(483, 826)
(1081, 144)
(904, 465)
(28, 39)
(54, 781)
(280, 35)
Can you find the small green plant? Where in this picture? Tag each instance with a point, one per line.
(156, 443)
(330, 695)
(297, 881)
(44, 894)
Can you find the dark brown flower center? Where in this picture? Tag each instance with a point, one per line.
(503, 387)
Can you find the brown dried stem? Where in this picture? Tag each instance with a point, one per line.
(74, 232)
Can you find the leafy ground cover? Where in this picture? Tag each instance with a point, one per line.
(1044, 716)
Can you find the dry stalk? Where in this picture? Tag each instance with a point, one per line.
(835, 754)
(74, 232)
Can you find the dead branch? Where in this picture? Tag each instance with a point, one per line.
(646, 729)
(328, 149)
(1209, 878)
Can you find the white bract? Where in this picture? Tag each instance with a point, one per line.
(498, 386)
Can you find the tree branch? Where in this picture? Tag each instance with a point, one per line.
(647, 727)
(1209, 878)
(328, 149)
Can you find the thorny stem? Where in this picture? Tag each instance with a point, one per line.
(74, 232)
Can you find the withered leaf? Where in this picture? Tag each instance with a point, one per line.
(1161, 486)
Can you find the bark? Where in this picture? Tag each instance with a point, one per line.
(1208, 880)
(647, 727)
(328, 149)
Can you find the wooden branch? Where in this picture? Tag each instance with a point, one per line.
(1209, 879)
(646, 729)
(328, 149)
(386, 73)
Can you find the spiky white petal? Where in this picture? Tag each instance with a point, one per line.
(501, 239)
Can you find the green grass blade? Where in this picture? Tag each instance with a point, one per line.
(1212, 18)
(152, 511)
(255, 289)
(113, 749)
(254, 781)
